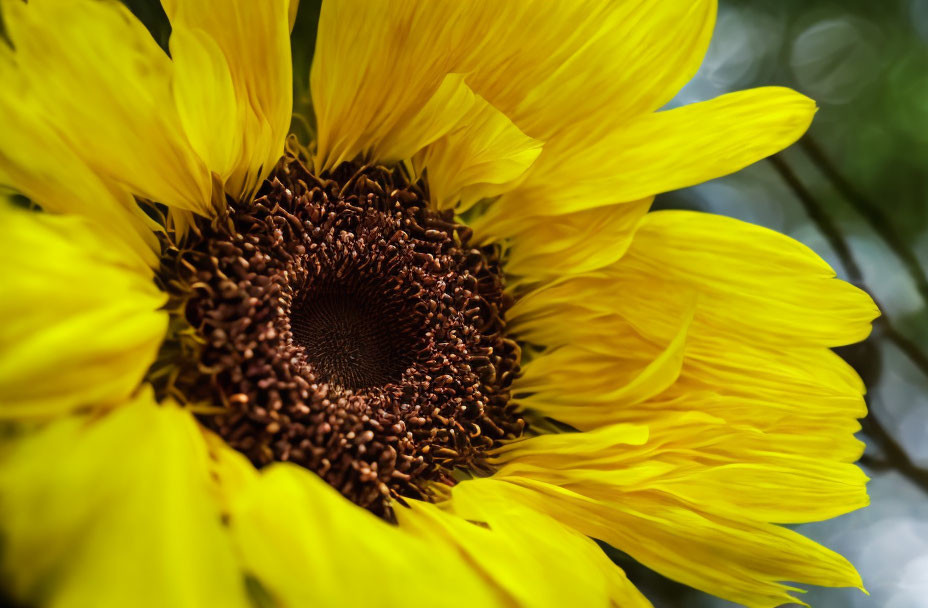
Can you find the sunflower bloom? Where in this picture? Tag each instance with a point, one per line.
(426, 357)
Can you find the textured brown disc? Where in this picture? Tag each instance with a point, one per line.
(345, 326)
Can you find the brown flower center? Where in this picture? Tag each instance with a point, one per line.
(356, 336)
(343, 325)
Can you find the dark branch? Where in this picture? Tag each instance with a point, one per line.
(871, 212)
(875, 464)
(907, 346)
(895, 455)
(821, 220)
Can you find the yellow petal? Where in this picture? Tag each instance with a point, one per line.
(82, 325)
(545, 69)
(796, 397)
(806, 398)
(291, 12)
(753, 284)
(739, 560)
(787, 490)
(720, 468)
(121, 120)
(443, 112)
(754, 355)
(479, 159)
(206, 100)
(560, 447)
(574, 384)
(591, 62)
(36, 162)
(234, 87)
(116, 511)
(659, 152)
(750, 284)
(362, 48)
(547, 248)
(305, 544)
(536, 560)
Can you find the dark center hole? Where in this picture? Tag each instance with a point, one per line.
(356, 336)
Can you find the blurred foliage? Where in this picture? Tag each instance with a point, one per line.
(866, 64)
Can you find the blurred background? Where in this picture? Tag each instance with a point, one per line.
(855, 190)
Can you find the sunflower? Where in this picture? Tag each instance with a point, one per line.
(425, 355)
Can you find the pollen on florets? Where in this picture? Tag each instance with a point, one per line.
(342, 324)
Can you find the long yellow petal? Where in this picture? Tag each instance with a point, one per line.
(233, 83)
(300, 539)
(82, 325)
(445, 111)
(659, 152)
(375, 67)
(721, 468)
(806, 397)
(740, 560)
(587, 62)
(58, 181)
(206, 100)
(750, 285)
(479, 159)
(516, 547)
(575, 384)
(376, 64)
(36, 162)
(545, 248)
(753, 283)
(297, 534)
(291, 12)
(121, 120)
(755, 354)
(116, 511)
(801, 406)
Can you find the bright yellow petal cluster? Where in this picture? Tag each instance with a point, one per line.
(690, 352)
(82, 321)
